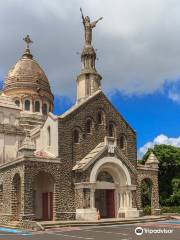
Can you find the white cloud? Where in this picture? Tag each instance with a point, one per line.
(137, 41)
(161, 139)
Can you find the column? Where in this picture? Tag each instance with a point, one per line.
(120, 200)
(127, 199)
(130, 199)
(92, 198)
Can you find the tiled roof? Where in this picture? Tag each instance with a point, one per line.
(90, 157)
(43, 154)
(76, 106)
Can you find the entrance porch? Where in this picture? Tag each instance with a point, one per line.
(109, 192)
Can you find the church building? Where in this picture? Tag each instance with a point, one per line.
(70, 166)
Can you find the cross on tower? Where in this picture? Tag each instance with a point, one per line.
(27, 41)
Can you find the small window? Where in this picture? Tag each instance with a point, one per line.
(37, 106)
(111, 130)
(49, 136)
(89, 126)
(17, 102)
(122, 142)
(44, 109)
(76, 136)
(100, 117)
(27, 105)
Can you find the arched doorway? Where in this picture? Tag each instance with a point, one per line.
(43, 190)
(105, 198)
(16, 197)
(113, 188)
(146, 195)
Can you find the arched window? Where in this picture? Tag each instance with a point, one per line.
(122, 142)
(100, 117)
(89, 126)
(44, 109)
(76, 137)
(111, 130)
(49, 136)
(37, 106)
(27, 105)
(17, 102)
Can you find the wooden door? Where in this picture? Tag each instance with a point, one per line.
(51, 206)
(45, 206)
(110, 203)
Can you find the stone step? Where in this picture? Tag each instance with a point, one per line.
(58, 224)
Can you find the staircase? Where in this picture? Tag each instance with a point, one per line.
(103, 222)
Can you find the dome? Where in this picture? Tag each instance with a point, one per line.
(27, 84)
(27, 76)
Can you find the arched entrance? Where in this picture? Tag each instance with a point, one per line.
(146, 195)
(105, 197)
(112, 189)
(43, 190)
(16, 197)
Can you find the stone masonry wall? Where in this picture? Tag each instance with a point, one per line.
(71, 153)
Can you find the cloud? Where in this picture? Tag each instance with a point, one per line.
(161, 139)
(137, 41)
(174, 92)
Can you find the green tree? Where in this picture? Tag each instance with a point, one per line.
(169, 173)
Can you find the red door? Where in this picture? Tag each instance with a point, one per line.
(51, 206)
(45, 206)
(110, 203)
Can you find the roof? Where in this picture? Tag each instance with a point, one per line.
(27, 74)
(90, 157)
(152, 159)
(7, 102)
(85, 101)
(77, 105)
(43, 154)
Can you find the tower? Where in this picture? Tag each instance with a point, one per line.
(27, 85)
(89, 80)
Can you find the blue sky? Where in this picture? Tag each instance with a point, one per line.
(150, 115)
(139, 56)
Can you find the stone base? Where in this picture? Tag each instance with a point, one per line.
(88, 214)
(128, 213)
(156, 212)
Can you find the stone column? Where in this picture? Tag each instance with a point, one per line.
(92, 198)
(130, 199)
(121, 200)
(127, 199)
(27, 208)
(155, 210)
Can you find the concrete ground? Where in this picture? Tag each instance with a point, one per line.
(165, 230)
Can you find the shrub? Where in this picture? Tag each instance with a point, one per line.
(147, 210)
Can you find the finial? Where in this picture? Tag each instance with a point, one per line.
(27, 50)
(28, 41)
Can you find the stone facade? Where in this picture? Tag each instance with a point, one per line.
(73, 165)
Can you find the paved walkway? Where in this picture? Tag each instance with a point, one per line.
(147, 231)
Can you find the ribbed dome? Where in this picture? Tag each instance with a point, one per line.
(26, 73)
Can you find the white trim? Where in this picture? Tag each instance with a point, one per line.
(113, 164)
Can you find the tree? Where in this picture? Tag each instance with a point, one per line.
(169, 173)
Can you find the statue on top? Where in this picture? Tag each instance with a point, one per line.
(88, 26)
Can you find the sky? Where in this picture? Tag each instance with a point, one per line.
(138, 53)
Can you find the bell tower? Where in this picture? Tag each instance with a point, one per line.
(89, 80)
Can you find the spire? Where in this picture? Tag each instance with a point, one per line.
(27, 52)
(88, 81)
